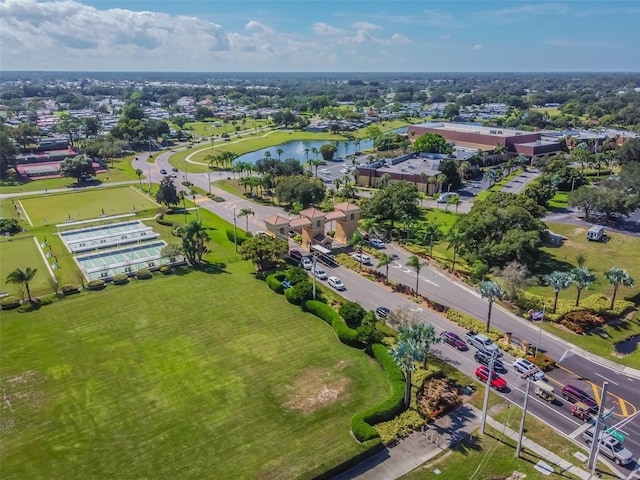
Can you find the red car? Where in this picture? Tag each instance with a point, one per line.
(497, 381)
(454, 340)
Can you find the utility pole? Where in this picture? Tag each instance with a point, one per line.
(235, 234)
(535, 355)
(485, 408)
(185, 169)
(209, 177)
(313, 273)
(595, 446)
(149, 179)
(524, 416)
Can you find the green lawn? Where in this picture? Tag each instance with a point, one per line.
(22, 253)
(179, 377)
(83, 205)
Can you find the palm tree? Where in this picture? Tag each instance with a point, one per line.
(357, 242)
(368, 225)
(415, 263)
(464, 166)
(194, 237)
(455, 238)
(245, 212)
(440, 179)
(22, 277)
(314, 150)
(279, 151)
(139, 174)
(491, 291)
(384, 260)
(384, 179)
(306, 153)
(267, 154)
(558, 281)
(492, 176)
(316, 164)
(424, 335)
(405, 354)
(582, 278)
(431, 230)
(618, 276)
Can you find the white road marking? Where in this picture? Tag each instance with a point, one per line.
(602, 376)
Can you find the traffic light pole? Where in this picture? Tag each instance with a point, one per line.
(524, 416)
(595, 445)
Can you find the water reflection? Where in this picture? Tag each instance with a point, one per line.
(302, 150)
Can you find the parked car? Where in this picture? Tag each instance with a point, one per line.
(454, 340)
(324, 171)
(444, 198)
(610, 447)
(336, 283)
(524, 366)
(497, 381)
(174, 169)
(320, 273)
(481, 341)
(295, 254)
(163, 171)
(382, 312)
(361, 257)
(376, 243)
(306, 263)
(574, 394)
(484, 357)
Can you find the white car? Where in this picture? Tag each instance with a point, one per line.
(361, 257)
(324, 171)
(306, 263)
(336, 283)
(523, 366)
(320, 274)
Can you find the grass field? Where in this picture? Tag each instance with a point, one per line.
(83, 205)
(22, 253)
(179, 377)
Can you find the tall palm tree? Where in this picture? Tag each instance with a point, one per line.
(246, 212)
(384, 179)
(582, 278)
(415, 263)
(455, 238)
(440, 179)
(194, 236)
(384, 260)
(357, 242)
(463, 167)
(306, 153)
(316, 164)
(314, 150)
(406, 353)
(22, 277)
(618, 276)
(139, 174)
(558, 281)
(368, 225)
(424, 335)
(491, 291)
(279, 151)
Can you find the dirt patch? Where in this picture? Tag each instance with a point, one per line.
(315, 388)
(578, 231)
(18, 389)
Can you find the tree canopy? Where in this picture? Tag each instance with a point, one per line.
(77, 167)
(300, 188)
(431, 143)
(167, 193)
(263, 250)
(392, 203)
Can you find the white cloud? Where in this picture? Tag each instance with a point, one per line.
(537, 8)
(321, 28)
(365, 26)
(568, 43)
(477, 46)
(398, 39)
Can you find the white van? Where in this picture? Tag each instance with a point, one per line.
(595, 233)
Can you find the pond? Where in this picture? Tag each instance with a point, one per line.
(296, 149)
(629, 345)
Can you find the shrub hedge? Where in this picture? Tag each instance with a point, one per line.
(162, 221)
(70, 289)
(241, 237)
(166, 270)
(9, 303)
(274, 281)
(120, 279)
(346, 335)
(361, 423)
(143, 274)
(596, 303)
(96, 284)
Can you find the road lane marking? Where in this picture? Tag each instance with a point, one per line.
(605, 378)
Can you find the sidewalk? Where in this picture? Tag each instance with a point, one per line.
(420, 447)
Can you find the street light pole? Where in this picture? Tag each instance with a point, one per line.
(595, 446)
(235, 234)
(485, 407)
(185, 169)
(313, 274)
(535, 355)
(524, 416)
(149, 179)
(209, 177)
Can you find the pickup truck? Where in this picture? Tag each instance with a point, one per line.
(610, 447)
(482, 342)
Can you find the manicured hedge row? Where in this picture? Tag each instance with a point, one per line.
(320, 473)
(241, 237)
(162, 221)
(346, 335)
(143, 274)
(361, 423)
(120, 279)
(70, 289)
(274, 281)
(96, 284)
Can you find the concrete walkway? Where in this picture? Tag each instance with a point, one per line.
(454, 428)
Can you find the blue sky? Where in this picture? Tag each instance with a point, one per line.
(325, 36)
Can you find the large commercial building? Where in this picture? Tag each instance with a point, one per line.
(515, 142)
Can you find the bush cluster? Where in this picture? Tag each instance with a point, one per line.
(361, 423)
(120, 279)
(96, 284)
(401, 426)
(300, 292)
(241, 237)
(71, 288)
(143, 274)
(274, 282)
(161, 220)
(166, 270)
(582, 321)
(9, 303)
(597, 304)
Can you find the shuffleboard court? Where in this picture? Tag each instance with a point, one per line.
(83, 205)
